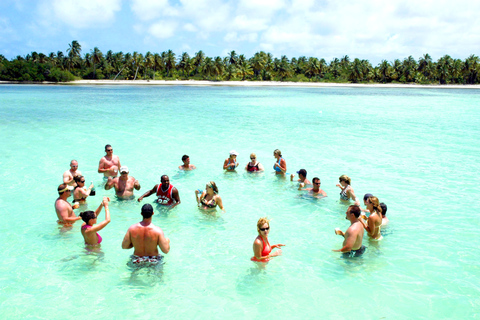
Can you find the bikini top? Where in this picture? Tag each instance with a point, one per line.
(209, 204)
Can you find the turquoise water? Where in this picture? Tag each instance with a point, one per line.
(416, 149)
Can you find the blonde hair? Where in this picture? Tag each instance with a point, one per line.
(277, 151)
(376, 204)
(253, 155)
(261, 222)
(345, 178)
(213, 186)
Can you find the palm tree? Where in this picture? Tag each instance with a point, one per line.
(313, 68)
(148, 62)
(169, 61)
(355, 71)
(258, 62)
(232, 57)
(283, 68)
(209, 67)
(384, 69)
(471, 69)
(198, 60)
(444, 65)
(96, 56)
(244, 69)
(425, 65)
(184, 63)
(218, 67)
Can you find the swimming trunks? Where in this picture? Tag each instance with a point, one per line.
(354, 253)
(85, 227)
(343, 194)
(165, 197)
(265, 252)
(145, 260)
(253, 168)
(278, 168)
(209, 204)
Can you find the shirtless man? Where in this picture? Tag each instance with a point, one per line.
(186, 164)
(166, 193)
(109, 164)
(70, 173)
(352, 245)
(316, 191)
(64, 210)
(302, 181)
(145, 237)
(123, 185)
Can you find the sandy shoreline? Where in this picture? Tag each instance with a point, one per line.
(249, 84)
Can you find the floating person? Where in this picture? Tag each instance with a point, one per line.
(302, 179)
(230, 164)
(316, 191)
(353, 237)
(262, 250)
(384, 214)
(69, 175)
(146, 238)
(64, 210)
(109, 164)
(209, 199)
(123, 185)
(347, 192)
(280, 165)
(166, 193)
(374, 221)
(80, 194)
(254, 165)
(186, 164)
(89, 229)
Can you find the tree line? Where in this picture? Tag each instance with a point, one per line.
(60, 67)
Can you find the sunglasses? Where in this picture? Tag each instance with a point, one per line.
(317, 183)
(109, 150)
(82, 181)
(253, 158)
(265, 229)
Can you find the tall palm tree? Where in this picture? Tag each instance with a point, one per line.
(471, 69)
(232, 57)
(218, 67)
(184, 63)
(96, 56)
(170, 61)
(384, 69)
(244, 69)
(198, 60)
(148, 62)
(444, 65)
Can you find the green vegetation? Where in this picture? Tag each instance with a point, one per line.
(58, 67)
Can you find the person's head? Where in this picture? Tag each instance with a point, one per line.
(344, 178)
(73, 165)
(355, 210)
(316, 183)
(373, 203)
(302, 173)
(365, 197)
(211, 185)
(263, 226)
(64, 189)
(253, 156)
(186, 159)
(233, 154)
(124, 171)
(108, 149)
(147, 211)
(277, 153)
(384, 209)
(87, 216)
(80, 180)
(165, 180)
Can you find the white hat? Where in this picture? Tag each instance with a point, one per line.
(124, 169)
(233, 153)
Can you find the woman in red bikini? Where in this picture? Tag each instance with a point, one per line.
(89, 228)
(261, 247)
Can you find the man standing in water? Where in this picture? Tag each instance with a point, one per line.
(123, 185)
(316, 191)
(145, 237)
(64, 210)
(352, 245)
(302, 178)
(109, 164)
(71, 173)
(167, 194)
(186, 164)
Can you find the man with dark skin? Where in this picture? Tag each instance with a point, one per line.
(146, 238)
(352, 245)
(166, 193)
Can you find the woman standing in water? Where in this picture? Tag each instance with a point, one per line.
(347, 192)
(89, 228)
(230, 164)
(80, 194)
(280, 165)
(209, 199)
(374, 221)
(261, 247)
(254, 165)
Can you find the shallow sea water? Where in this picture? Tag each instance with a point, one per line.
(417, 150)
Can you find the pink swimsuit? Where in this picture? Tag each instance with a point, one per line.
(85, 227)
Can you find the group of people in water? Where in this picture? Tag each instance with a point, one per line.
(146, 238)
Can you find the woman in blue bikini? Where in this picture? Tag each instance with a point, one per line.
(280, 165)
(231, 163)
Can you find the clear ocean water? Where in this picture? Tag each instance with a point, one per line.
(416, 149)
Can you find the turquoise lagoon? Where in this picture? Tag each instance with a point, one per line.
(416, 149)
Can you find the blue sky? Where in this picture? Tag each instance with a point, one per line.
(372, 30)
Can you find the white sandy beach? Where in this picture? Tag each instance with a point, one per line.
(251, 84)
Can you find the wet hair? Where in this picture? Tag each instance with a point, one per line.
(107, 146)
(384, 208)
(185, 157)
(261, 222)
(277, 151)
(147, 211)
(78, 178)
(87, 215)
(345, 178)
(355, 210)
(376, 205)
(214, 186)
(366, 196)
(315, 179)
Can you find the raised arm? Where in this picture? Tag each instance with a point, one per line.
(103, 224)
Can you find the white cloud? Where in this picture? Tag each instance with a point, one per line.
(190, 27)
(162, 29)
(234, 37)
(152, 9)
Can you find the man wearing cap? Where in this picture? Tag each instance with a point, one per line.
(109, 163)
(230, 164)
(302, 181)
(316, 191)
(186, 164)
(353, 237)
(166, 193)
(123, 185)
(64, 210)
(146, 238)
(71, 173)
